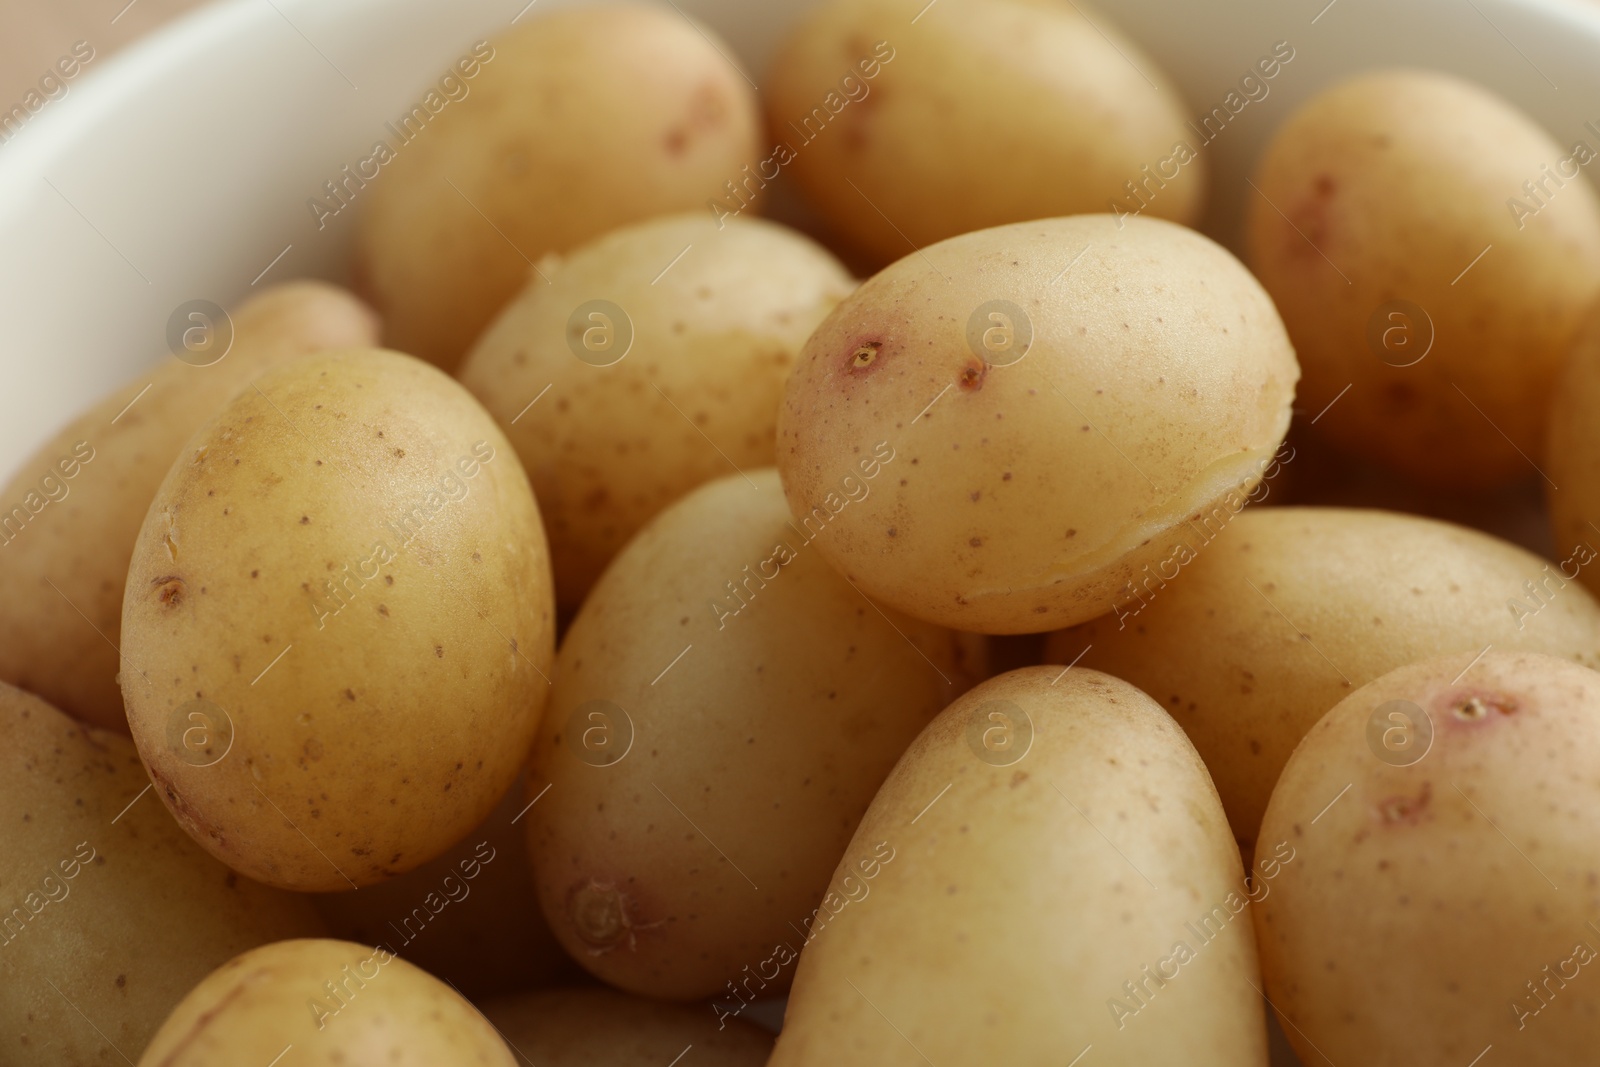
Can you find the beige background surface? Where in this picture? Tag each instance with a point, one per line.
(35, 33)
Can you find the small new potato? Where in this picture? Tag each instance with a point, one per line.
(1066, 394)
(1443, 895)
(657, 356)
(1572, 454)
(597, 1026)
(725, 706)
(1047, 869)
(1433, 252)
(563, 128)
(335, 1004)
(103, 898)
(339, 623)
(69, 517)
(985, 112)
(1276, 617)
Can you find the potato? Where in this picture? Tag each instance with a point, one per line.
(668, 381)
(1064, 395)
(464, 917)
(110, 914)
(1278, 616)
(69, 517)
(584, 1027)
(1047, 869)
(1573, 452)
(1375, 202)
(724, 708)
(985, 112)
(338, 627)
(1444, 821)
(572, 124)
(337, 1004)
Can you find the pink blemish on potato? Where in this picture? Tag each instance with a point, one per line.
(708, 110)
(604, 916)
(1313, 218)
(1474, 707)
(170, 590)
(863, 355)
(1405, 809)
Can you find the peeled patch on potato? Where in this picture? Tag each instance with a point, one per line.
(577, 122)
(106, 908)
(339, 623)
(1215, 645)
(69, 517)
(725, 705)
(1443, 897)
(644, 364)
(1063, 397)
(1047, 869)
(1401, 228)
(967, 114)
(335, 1004)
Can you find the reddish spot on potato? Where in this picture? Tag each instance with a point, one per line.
(864, 355)
(169, 590)
(1406, 809)
(1311, 218)
(972, 375)
(1472, 707)
(602, 916)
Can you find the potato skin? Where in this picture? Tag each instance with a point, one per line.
(360, 516)
(1367, 591)
(713, 339)
(1401, 179)
(1032, 491)
(80, 542)
(1572, 452)
(104, 896)
(584, 1027)
(1001, 926)
(788, 706)
(985, 112)
(1410, 930)
(338, 1003)
(614, 112)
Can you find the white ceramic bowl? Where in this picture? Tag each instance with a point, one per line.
(181, 169)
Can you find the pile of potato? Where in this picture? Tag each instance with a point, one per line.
(1000, 656)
